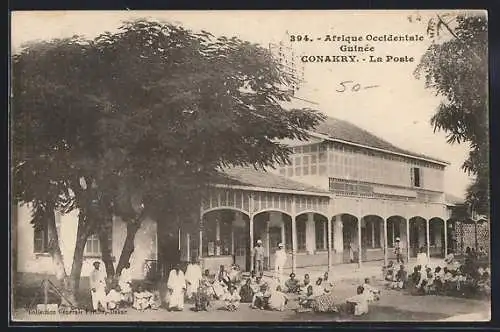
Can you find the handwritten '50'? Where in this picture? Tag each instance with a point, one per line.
(354, 87)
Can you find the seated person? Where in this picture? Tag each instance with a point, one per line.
(234, 275)
(257, 284)
(420, 287)
(253, 275)
(203, 293)
(430, 287)
(438, 279)
(261, 298)
(327, 283)
(401, 278)
(318, 288)
(306, 300)
(484, 283)
(113, 298)
(305, 283)
(155, 300)
(292, 284)
(246, 292)
(232, 299)
(358, 304)
(388, 272)
(277, 300)
(223, 276)
(372, 293)
(141, 299)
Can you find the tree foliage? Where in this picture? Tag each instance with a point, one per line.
(142, 120)
(457, 69)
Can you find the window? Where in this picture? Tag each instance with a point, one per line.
(321, 231)
(301, 234)
(41, 240)
(93, 246)
(415, 177)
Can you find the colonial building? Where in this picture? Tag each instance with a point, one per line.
(345, 197)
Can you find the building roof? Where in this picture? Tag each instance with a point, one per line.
(346, 131)
(249, 176)
(453, 200)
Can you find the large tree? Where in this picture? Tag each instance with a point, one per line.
(457, 69)
(139, 122)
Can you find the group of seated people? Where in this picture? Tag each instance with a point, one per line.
(453, 279)
(319, 297)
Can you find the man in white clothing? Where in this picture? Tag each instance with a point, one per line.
(98, 287)
(176, 285)
(193, 277)
(279, 262)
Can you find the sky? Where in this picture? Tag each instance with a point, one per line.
(398, 109)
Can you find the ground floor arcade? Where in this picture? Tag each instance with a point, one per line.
(316, 228)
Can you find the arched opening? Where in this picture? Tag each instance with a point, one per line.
(272, 228)
(312, 239)
(436, 237)
(418, 235)
(451, 234)
(225, 239)
(350, 241)
(372, 238)
(396, 228)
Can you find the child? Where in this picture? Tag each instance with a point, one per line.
(155, 301)
(358, 304)
(305, 284)
(246, 292)
(372, 293)
(306, 300)
(388, 272)
(232, 299)
(401, 278)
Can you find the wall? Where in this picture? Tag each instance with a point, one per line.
(316, 162)
(29, 262)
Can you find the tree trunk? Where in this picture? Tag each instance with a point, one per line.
(58, 261)
(81, 239)
(128, 246)
(106, 251)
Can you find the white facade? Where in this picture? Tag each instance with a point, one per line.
(36, 260)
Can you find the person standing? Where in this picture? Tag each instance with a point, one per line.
(176, 285)
(258, 253)
(98, 287)
(193, 278)
(397, 251)
(279, 262)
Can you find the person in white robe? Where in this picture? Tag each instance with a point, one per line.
(277, 300)
(359, 301)
(193, 277)
(176, 286)
(98, 287)
(141, 299)
(113, 299)
(279, 263)
(125, 283)
(422, 258)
